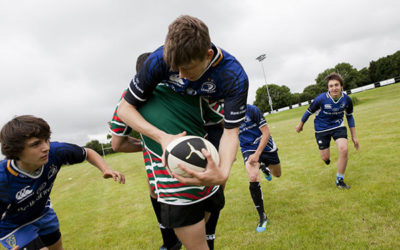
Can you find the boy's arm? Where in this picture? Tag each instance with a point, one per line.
(96, 160)
(253, 159)
(215, 175)
(125, 144)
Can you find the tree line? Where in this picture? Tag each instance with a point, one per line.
(382, 69)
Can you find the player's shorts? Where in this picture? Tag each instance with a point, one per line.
(173, 216)
(268, 158)
(40, 232)
(324, 138)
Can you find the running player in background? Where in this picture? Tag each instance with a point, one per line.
(190, 64)
(259, 152)
(329, 123)
(26, 179)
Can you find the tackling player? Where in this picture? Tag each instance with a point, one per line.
(26, 180)
(190, 64)
(259, 152)
(329, 123)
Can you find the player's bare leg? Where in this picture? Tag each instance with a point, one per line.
(343, 155)
(325, 155)
(275, 169)
(342, 162)
(193, 237)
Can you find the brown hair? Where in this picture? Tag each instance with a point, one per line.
(187, 40)
(334, 76)
(140, 60)
(21, 128)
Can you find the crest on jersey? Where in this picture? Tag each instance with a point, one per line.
(174, 79)
(11, 241)
(52, 171)
(208, 87)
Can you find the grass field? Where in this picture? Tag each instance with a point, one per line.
(305, 208)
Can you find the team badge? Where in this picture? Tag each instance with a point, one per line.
(208, 87)
(11, 241)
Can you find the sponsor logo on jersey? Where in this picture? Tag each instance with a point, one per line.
(52, 171)
(328, 106)
(23, 194)
(208, 87)
(174, 79)
(40, 189)
(135, 83)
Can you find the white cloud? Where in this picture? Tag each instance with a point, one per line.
(69, 61)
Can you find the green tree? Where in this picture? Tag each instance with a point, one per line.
(280, 95)
(385, 67)
(347, 71)
(364, 78)
(311, 91)
(95, 145)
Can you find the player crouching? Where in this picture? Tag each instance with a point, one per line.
(26, 178)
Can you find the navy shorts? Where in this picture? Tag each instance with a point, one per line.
(173, 216)
(324, 138)
(268, 158)
(43, 231)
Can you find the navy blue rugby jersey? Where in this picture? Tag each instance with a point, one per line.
(24, 197)
(224, 79)
(329, 114)
(250, 133)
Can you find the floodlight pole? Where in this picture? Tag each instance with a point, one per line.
(260, 59)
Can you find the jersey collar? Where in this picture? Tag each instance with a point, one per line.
(328, 95)
(14, 169)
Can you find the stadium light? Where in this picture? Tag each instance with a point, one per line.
(260, 59)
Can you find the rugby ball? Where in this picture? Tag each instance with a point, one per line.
(187, 151)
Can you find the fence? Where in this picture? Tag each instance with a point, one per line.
(352, 91)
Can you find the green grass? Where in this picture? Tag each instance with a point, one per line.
(306, 210)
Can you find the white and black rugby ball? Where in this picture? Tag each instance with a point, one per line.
(187, 151)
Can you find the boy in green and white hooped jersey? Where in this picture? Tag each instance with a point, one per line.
(174, 112)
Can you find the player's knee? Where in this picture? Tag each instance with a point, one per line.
(115, 146)
(252, 178)
(343, 149)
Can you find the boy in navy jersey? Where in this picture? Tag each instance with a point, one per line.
(330, 108)
(26, 179)
(258, 148)
(190, 64)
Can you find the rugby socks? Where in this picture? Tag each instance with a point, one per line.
(168, 235)
(328, 161)
(339, 177)
(256, 195)
(211, 226)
